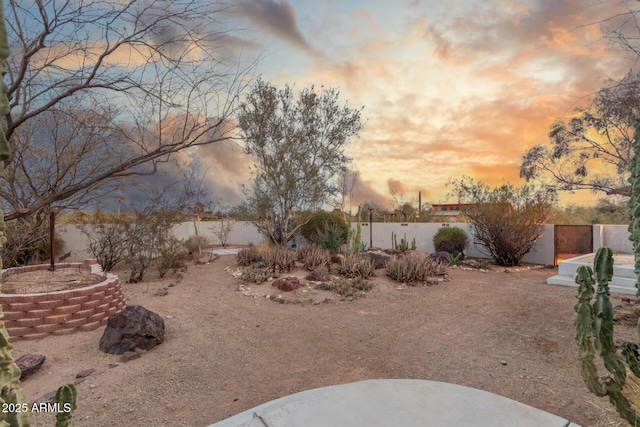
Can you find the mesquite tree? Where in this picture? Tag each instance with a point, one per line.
(298, 145)
(104, 90)
(507, 220)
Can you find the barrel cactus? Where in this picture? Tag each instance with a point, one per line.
(594, 320)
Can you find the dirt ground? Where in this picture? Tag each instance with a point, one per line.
(228, 348)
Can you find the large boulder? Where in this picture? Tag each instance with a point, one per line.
(134, 327)
(287, 284)
(378, 256)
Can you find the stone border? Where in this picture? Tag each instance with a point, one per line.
(35, 316)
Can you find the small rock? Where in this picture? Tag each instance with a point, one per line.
(169, 317)
(85, 373)
(171, 285)
(277, 298)
(140, 351)
(79, 381)
(46, 398)
(128, 356)
(322, 287)
(91, 386)
(112, 365)
(161, 292)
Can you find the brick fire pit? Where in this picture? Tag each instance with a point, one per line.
(37, 315)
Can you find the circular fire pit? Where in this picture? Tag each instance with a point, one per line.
(37, 315)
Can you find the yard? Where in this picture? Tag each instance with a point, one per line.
(227, 350)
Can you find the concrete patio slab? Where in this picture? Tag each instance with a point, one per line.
(402, 402)
(623, 281)
(225, 251)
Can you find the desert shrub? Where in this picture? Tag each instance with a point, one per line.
(413, 268)
(319, 274)
(149, 235)
(357, 266)
(28, 242)
(223, 228)
(279, 258)
(321, 221)
(256, 275)
(506, 221)
(171, 256)
(247, 256)
(108, 237)
(313, 256)
(350, 287)
(451, 239)
(195, 243)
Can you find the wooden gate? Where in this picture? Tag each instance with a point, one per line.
(571, 241)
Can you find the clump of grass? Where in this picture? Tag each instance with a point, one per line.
(320, 274)
(357, 266)
(256, 275)
(279, 258)
(248, 256)
(351, 287)
(413, 268)
(313, 256)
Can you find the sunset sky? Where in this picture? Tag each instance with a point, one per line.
(449, 88)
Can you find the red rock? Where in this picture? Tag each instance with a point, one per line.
(287, 284)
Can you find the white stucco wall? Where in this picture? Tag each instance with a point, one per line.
(244, 233)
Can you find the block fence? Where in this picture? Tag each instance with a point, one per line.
(244, 233)
(35, 316)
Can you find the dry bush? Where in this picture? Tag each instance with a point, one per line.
(413, 268)
(280, 258)
(351, 287)
(313, 256)
(357, 266)
(320, 274)
(247, 256)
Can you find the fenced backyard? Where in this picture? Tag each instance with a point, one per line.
(546, 250)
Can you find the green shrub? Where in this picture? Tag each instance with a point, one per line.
(413, 268)
(321, 221)
(331, 238)
(451, 239)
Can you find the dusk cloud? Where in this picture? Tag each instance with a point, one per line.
(278, 19)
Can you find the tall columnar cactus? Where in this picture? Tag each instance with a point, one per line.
(66, 399)
(594, 321)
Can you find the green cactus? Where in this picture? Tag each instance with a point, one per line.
(594, 321)
(66, 398)
(10, 391)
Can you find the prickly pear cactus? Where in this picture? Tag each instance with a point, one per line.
(594, 321)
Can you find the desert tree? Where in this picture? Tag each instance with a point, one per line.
(506, 221)
(102, 91)
(298, 146)
(591, 150)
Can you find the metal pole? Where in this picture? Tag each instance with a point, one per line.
(370, 228)
(52, 236)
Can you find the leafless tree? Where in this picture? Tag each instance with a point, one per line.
(101, 91)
